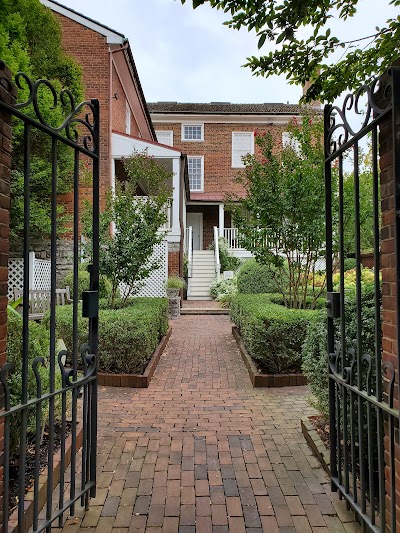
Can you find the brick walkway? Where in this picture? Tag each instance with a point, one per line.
(201, 450)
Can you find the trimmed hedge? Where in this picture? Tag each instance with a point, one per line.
(254, 278)
(314, 353)
(273, 335)
(127, 337)
(39, 346)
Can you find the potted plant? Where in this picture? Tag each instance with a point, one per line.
(174, 285)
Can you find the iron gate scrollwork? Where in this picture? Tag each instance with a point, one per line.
(67, 397)
(363, 393)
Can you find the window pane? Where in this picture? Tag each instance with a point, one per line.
(195, 173)
(191, 133)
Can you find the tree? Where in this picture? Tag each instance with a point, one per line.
(304, 59)
(126, 252)
(282, 217)
(366, 210)
(30, 41)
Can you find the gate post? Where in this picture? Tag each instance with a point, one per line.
(390, 300)
(8, 95)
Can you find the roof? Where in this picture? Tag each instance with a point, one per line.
(113, 36)
(224, 108)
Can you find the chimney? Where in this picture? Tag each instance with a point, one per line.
(314, 103)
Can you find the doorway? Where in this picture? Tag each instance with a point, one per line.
(196, 221)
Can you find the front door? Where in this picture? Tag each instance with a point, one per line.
(196, 221)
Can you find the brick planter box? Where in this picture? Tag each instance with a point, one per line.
(28, 502)
(139, 381)
(266, 380)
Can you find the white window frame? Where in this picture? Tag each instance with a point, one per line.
(251, 133)
(185, 124)
(170, 134)
(202, 172)
(127, 118)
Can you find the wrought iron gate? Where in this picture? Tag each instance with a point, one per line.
(363, 384)
(58, 388)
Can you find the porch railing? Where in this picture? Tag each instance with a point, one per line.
(216, 253)
(232, 236)
(189, 249)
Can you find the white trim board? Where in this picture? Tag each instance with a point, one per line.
(112, 36)
(163, 118)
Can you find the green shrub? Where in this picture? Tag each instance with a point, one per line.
(39, 346)
(226, 260)
(222, 287)
(314, 353)
(127, 336)
(272, 334)
(105, 286)
(255, 278)
(349, 263)
(311, 302)
(175, 282)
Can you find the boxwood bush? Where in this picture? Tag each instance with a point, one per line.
(255, 278)
(314, 353)
(127, 337)
(39, 346)
(273, 335)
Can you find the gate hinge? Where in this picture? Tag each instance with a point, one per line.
(90, 304)
(333, 304)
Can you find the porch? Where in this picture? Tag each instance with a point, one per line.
(203, 218)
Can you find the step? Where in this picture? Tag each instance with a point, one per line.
(203, 311)
(199, 297)
(203, 252)
(198, 292)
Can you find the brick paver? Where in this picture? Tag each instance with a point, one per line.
(201, 450)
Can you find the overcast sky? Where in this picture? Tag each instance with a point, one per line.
(187, 55)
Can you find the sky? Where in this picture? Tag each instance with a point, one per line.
(187, 55)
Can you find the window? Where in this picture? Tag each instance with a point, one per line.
(288, 140)
(196, 173)
(242, 144)
(165, 137)
(127, 118)
(192, 132)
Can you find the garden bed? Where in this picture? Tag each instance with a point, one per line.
(136, 380)
(266, 380)
(42, 495)
(311, 430)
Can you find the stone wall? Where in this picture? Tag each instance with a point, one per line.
(42, 249)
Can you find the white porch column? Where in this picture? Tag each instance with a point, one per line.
(221, 220)
(175, 226)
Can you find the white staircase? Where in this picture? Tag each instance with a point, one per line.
(203, 274)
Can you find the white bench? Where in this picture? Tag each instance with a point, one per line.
(39, 301)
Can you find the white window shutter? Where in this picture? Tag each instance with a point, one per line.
(165, 137)
(242, 144)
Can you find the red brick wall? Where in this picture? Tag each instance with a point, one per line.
(219, 176)
(389, 299)
(119, 107)
(5, 164)
(173, 264)
(90, 50)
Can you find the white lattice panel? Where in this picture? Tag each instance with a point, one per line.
(15, 276)
(42, 275)
(154, 285)
(39, 275)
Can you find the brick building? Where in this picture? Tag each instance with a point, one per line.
(215, 137)
(110, 74)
